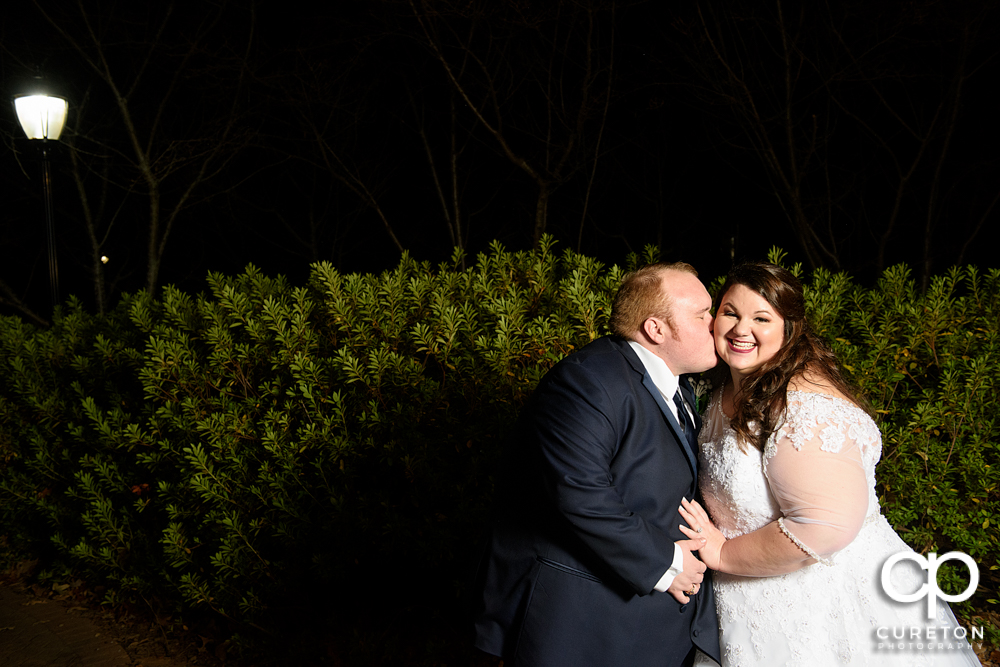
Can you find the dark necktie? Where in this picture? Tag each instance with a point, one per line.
(684, 419)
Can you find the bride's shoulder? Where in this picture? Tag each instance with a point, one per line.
(813, 398)
(810, 382)
(817, 409)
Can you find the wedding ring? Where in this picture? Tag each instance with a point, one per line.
(699, 529)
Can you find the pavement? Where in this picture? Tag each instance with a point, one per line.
(38, 632)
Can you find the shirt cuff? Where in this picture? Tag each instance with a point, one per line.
(675, 568)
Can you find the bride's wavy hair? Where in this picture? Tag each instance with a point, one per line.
(763, 396)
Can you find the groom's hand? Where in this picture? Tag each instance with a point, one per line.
(694, 571)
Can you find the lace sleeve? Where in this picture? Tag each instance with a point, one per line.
(815, 471)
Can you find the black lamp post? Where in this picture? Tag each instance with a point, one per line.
(42, 117)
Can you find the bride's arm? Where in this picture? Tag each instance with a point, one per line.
(764, 552)
(817, 477)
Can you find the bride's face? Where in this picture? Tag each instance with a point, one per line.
(748, 330)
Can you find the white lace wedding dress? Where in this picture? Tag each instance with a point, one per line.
(817, 474)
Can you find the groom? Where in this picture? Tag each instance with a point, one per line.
(586, 565)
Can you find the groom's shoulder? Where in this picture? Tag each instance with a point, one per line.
(606, 346)
(608, 354)
(603, 371)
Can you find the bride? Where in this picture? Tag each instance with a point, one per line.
(787, 465)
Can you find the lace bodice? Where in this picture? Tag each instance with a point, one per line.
(817, 472)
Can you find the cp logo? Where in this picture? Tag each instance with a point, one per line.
(930, 589)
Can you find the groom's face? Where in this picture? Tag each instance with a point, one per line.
(691, 347)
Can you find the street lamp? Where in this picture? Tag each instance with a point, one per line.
(42, 117)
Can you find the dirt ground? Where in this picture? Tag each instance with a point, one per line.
(147, 640)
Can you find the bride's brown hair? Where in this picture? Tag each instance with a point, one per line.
(763, 395)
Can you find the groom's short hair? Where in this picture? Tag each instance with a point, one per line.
(642, 296)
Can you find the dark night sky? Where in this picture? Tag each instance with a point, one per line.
(676, 162)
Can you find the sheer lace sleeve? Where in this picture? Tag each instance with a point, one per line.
(815, 469)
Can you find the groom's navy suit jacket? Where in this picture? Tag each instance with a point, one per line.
(586, 523)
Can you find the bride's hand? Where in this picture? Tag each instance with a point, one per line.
(699, 525)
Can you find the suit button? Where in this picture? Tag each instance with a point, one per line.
(683, 608)
(696, 633)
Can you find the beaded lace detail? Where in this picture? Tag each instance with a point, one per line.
(800, 544)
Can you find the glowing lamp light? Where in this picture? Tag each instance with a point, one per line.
(41, 116)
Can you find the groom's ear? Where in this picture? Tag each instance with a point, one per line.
(655, 329)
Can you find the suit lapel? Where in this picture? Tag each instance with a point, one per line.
(647, 382)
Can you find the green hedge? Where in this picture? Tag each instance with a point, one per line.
(242, 450)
